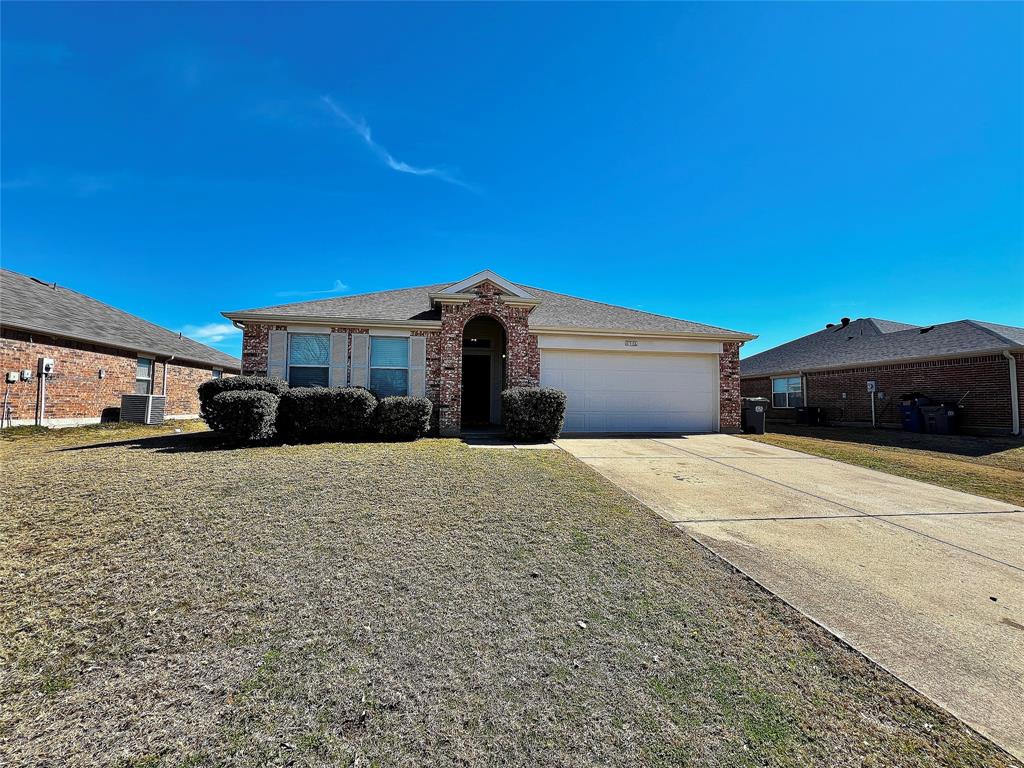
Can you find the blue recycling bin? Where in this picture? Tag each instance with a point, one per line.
(910, 415)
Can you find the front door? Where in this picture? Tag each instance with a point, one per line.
(476, 390)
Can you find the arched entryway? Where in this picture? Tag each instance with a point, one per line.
(483, 372)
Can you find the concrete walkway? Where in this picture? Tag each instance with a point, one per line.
(927, 582)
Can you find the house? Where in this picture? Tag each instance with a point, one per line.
(978, 365)
(460, 344)
(99, 353)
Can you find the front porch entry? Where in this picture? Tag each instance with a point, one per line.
(483, 373)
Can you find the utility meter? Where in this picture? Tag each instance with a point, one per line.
(12, 376)
(45, 366)
(26, 375)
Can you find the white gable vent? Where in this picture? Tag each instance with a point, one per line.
(143, 409)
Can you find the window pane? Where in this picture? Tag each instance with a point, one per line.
(309, 349)
(795, 400)
(388, 352)
(385, 382)
(142, 386)
(779, 399)
(307, 377)
(145, 369)
(795, 385)
(779, 385)
(217, 374)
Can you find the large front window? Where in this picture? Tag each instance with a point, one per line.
(787, 392)
(309, 355)
(389, 365)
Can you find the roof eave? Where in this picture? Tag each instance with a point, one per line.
(163, 353)
(337, 320)
(875, 363)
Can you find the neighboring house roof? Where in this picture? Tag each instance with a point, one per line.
(871, 341)
(29, 304)
(554, 311)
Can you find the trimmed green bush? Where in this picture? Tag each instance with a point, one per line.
(245, 416)
(311, 414)
(533, 413)
(208, 390)
(403, 418)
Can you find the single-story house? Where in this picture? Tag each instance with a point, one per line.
(98, 353)
(974, 364)
(460, 344)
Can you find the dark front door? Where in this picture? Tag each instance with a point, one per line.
(476, 390)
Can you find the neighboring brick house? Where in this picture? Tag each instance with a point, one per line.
(99, 353)
(979, 366)
(461, 343)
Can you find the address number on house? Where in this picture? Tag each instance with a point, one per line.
(632, 343)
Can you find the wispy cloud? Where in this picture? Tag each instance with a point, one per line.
(211, 333)
(338, 287)
(77, 184)
(360, 127)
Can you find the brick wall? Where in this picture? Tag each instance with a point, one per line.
(75, 392)
(981, 382)
(729, 384)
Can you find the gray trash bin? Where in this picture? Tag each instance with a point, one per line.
(752, 414)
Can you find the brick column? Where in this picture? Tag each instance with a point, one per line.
(729, 387)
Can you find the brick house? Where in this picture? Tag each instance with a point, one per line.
(461, 343)
(99, 353)
(978, 365)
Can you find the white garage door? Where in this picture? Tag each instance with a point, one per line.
(633, 392)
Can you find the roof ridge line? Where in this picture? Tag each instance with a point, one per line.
(982, 327)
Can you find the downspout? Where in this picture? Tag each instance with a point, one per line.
(164, 390)
(1014, 395)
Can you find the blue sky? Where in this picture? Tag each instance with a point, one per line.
(768, 168)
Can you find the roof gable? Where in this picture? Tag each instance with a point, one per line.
(483, 277)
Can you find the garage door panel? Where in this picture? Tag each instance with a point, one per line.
(634, 392)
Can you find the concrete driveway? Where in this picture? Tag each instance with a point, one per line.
(927, 582)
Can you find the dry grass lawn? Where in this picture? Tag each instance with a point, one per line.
(986, 466)
(167, 603)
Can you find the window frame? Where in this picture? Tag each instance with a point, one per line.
(787, 392)
(217, 373)
(370, 368)
(147, 379)
(289, 364)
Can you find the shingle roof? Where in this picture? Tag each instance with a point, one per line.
(32, 305)
(555, 310)
(869, 341)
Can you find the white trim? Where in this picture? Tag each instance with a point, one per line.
(389, 332)
(308, 329)
(628, 343)
(1014, 394)
(488, 275)
(541, 330)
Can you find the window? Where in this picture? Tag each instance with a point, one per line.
(144, 376)
(787, 392)
(217, 373)
(309, 355)
(389, 365)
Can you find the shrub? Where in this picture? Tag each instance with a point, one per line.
(310, 414)
(208, 390)
(246, 416)
(533, 413)
(404, 418)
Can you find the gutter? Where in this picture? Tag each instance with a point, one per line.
(163, 391)
(362, 322)
(1014, 394)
